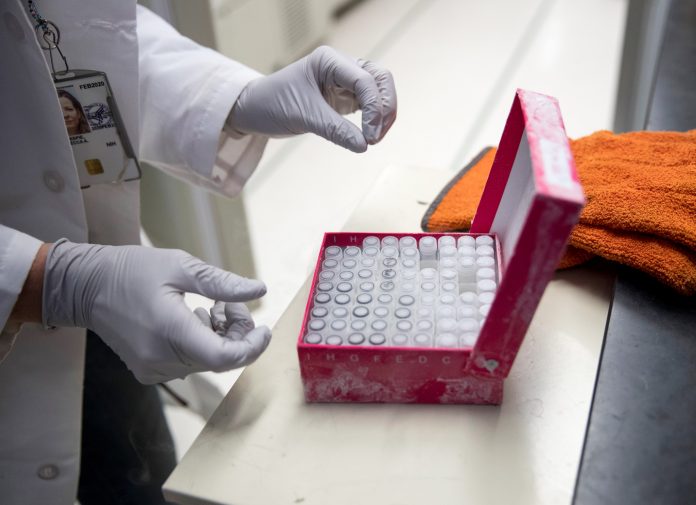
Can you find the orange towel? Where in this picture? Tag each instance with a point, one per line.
(641, 203)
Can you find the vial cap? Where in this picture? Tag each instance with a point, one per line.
(484, 240)
(370, 252)
(484, 250)
(327, 275)
(324, 286)
(390, 252)
(344, 287)
(406, 300)
(468, 324)
(332, 252)
(339, 312)
(486, 285)
(390, 241)
(356, 338)
(485, 261)
(322, 298)
(405, 242)
(381, 312)
(365, 273)
(313, 338)
(446, 340)
(402, 313)
(385, 298)
(379, 325)
(364, 298)
(360, 312)
(370, 242)
(338, 325)
(428, 274)
(330, 264)
(399, 339)
(389, 262)
(367, 286)
(445, 241)
(334, 340)
(404, 325)
(349, 264)
(377, 339)
(422, 340)
(358, 324)
(466, 240)
(316, 324)
(389, 274)
(346, 276)
(342, 299)
(320, 312)
(486, 298)
(351, 252)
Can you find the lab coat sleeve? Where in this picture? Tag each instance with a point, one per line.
(17, 253)
(186, 93)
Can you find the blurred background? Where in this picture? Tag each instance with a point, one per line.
(456, 64)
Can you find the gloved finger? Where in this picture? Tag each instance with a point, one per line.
(216, 283)
(239, 320)
(203, 315)
(350, 75)
(387, 91)
(218, 318)
(329, 124)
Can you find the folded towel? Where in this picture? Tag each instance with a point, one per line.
(641, 203)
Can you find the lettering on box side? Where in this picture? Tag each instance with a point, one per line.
(399, 358)
(422, 359)
(354, 358)
(330, 357)
(446, 360)
(377, 358)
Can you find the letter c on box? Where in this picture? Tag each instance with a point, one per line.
(354, 358)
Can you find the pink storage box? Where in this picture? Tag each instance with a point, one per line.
(530, 204)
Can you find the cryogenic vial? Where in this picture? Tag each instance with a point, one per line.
(338, 326)
(449, 275)
(387, 286)
(361, 312)
(379, 325)
(466, 268)
(346, 275)
(466, 250)
(334, 252)
(365, 274)
(449, 287)
(387, 263)
(370, 242)
(364, 299)
(352, 252)
(409, 275)
(484, 250)
(389, 241)
(404, 326)
(366, 287)
(334, 340)
(339, 312)
(325, 286)
(446, 312)
(406, 300)
(425, 326)
(408, 287)
(327, 275)
(485, 273)
(484, 240)
(428, 252)
(402, 313)
(484, 309)
(410, 253)
(313, 338)
(428, 274)
(390, 252)
(329, 264)
(342, 299)
(468, 325)
(422, 340)
(485, 261)
(446, 241)
(385, 299)
(322, 299)
(469, 298)
(318, 312)
(316, 324)
(356, 338)
(377, 339)
(389, 274)
(371, 252)
(447, 262)
(466, 240)
(349, 264)
(466, 311)
(447, 251)
(428, 287)
(468, 339)
(425, 313)
(344, 287)
(446, 326)
(447, 299)
(446, 340)
(358, 325)
(427, 299)
(409, 264)
(485, 285)
(399, 340)
(381, 312)
(367, 262)
(405, 242)
(486, 298)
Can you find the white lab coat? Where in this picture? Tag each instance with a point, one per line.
(174, 97)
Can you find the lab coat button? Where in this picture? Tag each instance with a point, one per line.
(13, 26)
(54, 181)
(47, 472)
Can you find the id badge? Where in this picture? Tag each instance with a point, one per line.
(102, 151)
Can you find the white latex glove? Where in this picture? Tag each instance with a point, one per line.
(132, 297)
(310, 95)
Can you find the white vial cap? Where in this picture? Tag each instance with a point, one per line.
(320, 312)
(446, 312)
(338, 312)
(448, 274)
(377, 339)
(381, 312)
(344, 287)
(428, 274)
(405, 242)
(428, 299)
(334, 340)
(410, 253)
(445, 241)
(468, 325)
(447, 299)
(329, 264)
(446, 340)
(390, 252)
(424, 326)
(424, 313)
(390, 241)
(389, 273)
(399, 340)
(322, 298)
(465, 262)
(449, 287)
(402, 313)
(364, 298)
(485, 285)
(428, 287)
(404, 325)
(485, 261)
(484, 309)
(406, 300)
(485, 273)
(313, 338)
(367, 286)
(448, 262)
(427, 246)
(371, 252)
(422, 340)
(385, 299)
(358, 324)
(360, 311)
(356, 338)
(390, 262)
(342, 299)
(346, 275)
(324, 286)
(468, 298)
(370, 242)
(365, 273)
(446, 325)
(408, 287)
(466, 240)
(316, 324)
(409, 275)
(486, 298)
(466, 250)
(466, 311)
(352, 252)
(468, 339)
(327, 275)
(448, 251)
(368, 262)
(333, 251)
(339, 325)
(387, 286)
(349, 264)
(379, 325)
(484, 250)
(484, 240)
(409, 264)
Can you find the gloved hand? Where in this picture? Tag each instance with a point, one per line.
(310, 95)
(132, 297)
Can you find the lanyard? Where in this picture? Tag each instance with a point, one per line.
(49, 39)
